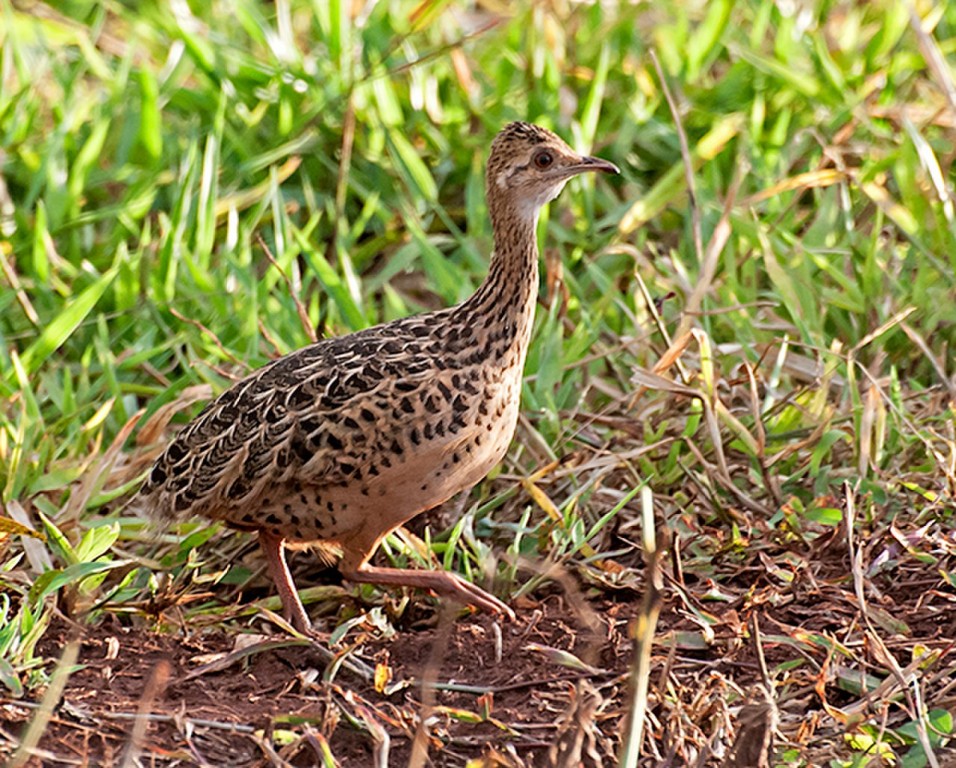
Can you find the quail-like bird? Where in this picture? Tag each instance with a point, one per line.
(344, 440)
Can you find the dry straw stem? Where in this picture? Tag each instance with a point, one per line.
(934, 57)
(155, 686)
(211, 335)
(419, 757)
(687, 161)
(54, 692)
(292, 290)
(708, 259)
(642, 630)
(756, 721)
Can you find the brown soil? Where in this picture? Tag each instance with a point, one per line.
(281, 689)
(240, 715)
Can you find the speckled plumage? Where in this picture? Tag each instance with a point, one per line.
(346, 439)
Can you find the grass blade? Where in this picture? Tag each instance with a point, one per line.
(57, 331)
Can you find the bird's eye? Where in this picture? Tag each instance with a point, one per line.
(543, 159)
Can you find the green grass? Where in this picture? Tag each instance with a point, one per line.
(144, 153)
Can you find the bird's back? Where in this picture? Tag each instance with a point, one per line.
(350, 417)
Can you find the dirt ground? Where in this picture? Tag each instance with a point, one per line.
(221, 718)
(553, 681)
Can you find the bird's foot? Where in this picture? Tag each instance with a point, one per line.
(442, 582)
(471, 594)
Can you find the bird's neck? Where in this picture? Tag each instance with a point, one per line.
(503, 306)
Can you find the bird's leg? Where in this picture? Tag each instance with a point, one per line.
(442, 582)
(292, 608)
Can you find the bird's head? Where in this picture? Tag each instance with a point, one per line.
(529, 166)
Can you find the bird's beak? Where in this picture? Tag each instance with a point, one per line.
(597, 164)
(585, 164)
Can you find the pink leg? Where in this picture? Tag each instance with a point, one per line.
(442, 582)
(292, 608)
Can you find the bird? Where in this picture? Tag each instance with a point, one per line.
(342, 441)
